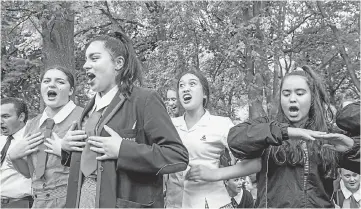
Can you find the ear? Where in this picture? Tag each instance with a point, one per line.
(71, 91)
(119, 63)
(22, 117)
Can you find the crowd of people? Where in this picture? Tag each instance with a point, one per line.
(129, 148)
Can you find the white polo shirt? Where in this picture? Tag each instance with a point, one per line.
(205, 142)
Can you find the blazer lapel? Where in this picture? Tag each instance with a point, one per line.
(87, 108)
(113, 107)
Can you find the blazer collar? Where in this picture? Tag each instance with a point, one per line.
(87, 108)
(113, 107)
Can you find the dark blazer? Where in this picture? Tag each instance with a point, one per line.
(247, 200)
(148, 151)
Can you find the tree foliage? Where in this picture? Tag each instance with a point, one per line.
(243, 47)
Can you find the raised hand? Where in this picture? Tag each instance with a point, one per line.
(304, 134)
(337, 142)
(73, 139)
(28, 145)
(108, 146)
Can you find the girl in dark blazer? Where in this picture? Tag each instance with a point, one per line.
(130, 141)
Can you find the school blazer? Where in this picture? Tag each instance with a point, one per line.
(150, 148)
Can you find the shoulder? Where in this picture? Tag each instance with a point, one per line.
(220, 121)
(140, 91)
(143, 94)
(33, 120)
(78, 110)
(247, 194)
(177, 120)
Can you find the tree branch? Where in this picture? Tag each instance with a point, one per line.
(21, 22)
(111, 18)
(341, 47)
(298, 25)
(328, 61)
(42, 35)
(91, 28)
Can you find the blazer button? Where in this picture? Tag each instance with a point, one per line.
(101, 169)
(47, 195)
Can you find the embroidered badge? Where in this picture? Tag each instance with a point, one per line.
(130, 139)
(203, 138)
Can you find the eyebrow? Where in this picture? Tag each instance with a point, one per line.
(55, 78)
(299, 89)
(94, 53)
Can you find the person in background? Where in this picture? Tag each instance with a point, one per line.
(348, 194)
(40, 159)
(347, 190)
(204, 135)
(239, 196)
(295, 149)
(15, 189)
(251, 185)
(130, 139)
(172, 103)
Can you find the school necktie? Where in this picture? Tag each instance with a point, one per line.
(88, 162)
(42, 155)
(6, 148)
(353, 202)
(234, 203)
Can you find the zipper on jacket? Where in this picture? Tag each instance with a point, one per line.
(306, 172)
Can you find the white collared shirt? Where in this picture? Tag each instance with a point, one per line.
(104, 101)
(347, 193)
(61, 115)
(205, 142)
(13, 184)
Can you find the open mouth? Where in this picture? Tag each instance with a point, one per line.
(187, 98)
(293, 111)
(4, 129)
(90, 76)
(52, 94)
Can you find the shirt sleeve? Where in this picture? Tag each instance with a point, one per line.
(248, 140)
(166, 152)
(350, 159)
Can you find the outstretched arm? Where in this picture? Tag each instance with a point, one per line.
(242, 168)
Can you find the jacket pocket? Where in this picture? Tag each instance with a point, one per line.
(121, 203)
(128, 134)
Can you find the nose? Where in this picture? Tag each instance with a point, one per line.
(86, 65)
(292, 97)
(185, 89)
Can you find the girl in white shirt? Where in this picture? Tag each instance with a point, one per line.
(205, 137)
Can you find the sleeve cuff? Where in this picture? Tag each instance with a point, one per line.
(284, 131)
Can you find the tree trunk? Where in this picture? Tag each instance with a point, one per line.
(350, 67)
(257, 68)
(57, 26)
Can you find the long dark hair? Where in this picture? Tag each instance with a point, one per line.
(291, 151)
(119, 44)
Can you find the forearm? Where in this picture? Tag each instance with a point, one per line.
(248, 140)
(21, 165)
(157, 159)
(242, 168)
